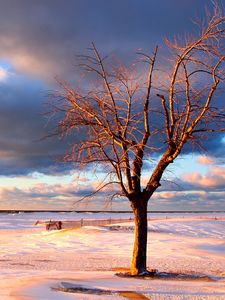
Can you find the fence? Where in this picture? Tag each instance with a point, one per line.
(56, 225)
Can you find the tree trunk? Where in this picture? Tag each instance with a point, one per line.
(138, 265)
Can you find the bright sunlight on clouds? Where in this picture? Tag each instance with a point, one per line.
(3, 74)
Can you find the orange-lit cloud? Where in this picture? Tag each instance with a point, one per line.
(205, 160)
(169, 195)
(214, 178)
(25, 60)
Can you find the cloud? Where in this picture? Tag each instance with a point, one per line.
(42, 39)
(65, 196)
(63, 192)
(205, 160)
(213, 179)
(188, 201)
(40, 195)
(3, 74)
(23, 148)
(169, 195)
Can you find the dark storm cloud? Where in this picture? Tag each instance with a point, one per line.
(39, 39)
(210, 143)
(50, 32)
(22, 127)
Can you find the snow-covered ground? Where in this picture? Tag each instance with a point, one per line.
(37, 264)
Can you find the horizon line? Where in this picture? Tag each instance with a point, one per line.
(111, 211)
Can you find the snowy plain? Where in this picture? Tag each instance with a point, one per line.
(39, 264)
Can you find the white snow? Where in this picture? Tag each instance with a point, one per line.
(33, 261)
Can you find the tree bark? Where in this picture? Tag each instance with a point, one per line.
(138, 265)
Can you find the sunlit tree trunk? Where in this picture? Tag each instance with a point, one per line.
(138, 265)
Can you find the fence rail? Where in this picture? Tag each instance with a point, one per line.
(57, 225)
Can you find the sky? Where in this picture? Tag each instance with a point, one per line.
(39, 42)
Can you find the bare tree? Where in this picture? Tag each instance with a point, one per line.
(124, 119)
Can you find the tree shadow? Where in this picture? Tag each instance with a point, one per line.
(133, 295)
(172, 276)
